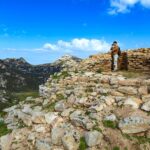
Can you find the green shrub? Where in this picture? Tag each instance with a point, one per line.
(97, 128)
(110, 124)
(2, 114)
(21, 96)
(82, 145)
(63, 74)
(60, 96)
(3, 129)
(89, 90)
(87, 113)
(142, 139)
(50, 107)
(99, 70)
(116, 148)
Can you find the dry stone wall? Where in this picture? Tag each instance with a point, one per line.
(139, 59)
(135, 60)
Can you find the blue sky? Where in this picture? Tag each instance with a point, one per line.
(43, 30)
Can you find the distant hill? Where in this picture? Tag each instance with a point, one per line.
(19, 75)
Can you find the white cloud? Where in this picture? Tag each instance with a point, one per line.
(76, 44)
(124, 6)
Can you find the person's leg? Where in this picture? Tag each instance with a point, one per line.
(115, 62)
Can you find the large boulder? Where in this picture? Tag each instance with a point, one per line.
(133, 102)
(128, 90)
(134, 124)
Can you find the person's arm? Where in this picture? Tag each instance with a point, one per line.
(111, 51)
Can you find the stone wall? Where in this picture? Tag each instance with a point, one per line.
(139, 60)
(134, 60)
(100, 62)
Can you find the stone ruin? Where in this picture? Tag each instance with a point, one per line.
(132, 60)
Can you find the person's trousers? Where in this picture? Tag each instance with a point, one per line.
(115, 61)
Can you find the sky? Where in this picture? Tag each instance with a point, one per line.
(41, 31)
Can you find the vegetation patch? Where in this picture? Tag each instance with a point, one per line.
(21, 124)
(99, 70)
(82, 145)
(60, 96)
(89, 90)
(110, 124)
(116, 148)
(130, 74)
(63, 74)
(140, 139)
(2, 114)
(3, 129)
(97, 128)
(21, 96)
(50, 107)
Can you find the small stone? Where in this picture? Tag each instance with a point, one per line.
(25, 118)
(93, 138)
(69, 142)
(27, 110)
(146, 98)
(60, 106)
(51, 117)
(42, 145)
(146, 106)
(143, 90)
(56, 135)
(67, 112)
(113, 81)
(98, 107)
(38, 117)
(111, 117)
(40, 129)
(109, 100)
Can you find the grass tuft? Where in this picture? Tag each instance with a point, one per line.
(3, 129)
(110, 124)
(82, 145)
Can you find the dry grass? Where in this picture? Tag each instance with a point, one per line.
(131, 74)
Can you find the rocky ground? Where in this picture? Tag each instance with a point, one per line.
(81, 110)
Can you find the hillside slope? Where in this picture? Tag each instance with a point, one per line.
(79, 110)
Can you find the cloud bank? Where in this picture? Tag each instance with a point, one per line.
(124, 6)
(83, 44)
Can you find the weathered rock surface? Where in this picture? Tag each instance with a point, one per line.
(134, 124)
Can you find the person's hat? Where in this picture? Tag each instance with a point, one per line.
(115, 42)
